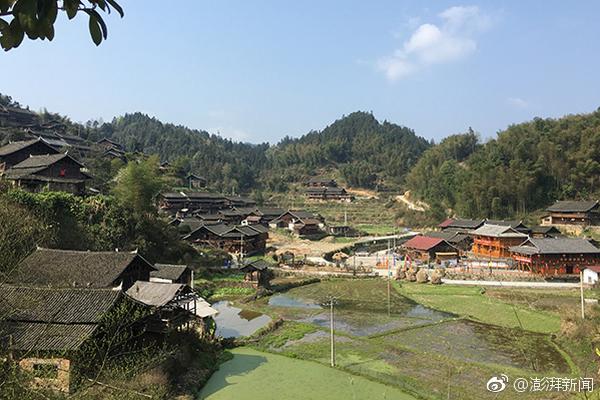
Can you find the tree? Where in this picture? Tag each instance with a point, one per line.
(138, 184)
(20, 232)
(36, 18)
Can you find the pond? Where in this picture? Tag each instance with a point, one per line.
(237, 322)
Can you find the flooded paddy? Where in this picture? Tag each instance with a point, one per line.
(236, 322)
(474, 342)
(361, 309)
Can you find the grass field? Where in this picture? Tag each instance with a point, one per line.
(472, 303)
(252, 375)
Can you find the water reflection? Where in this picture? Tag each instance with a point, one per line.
(282, 300)
(236, 322)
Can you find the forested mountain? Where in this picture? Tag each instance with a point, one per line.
(525, 168)
(356, 148)
(364, 151)
(235, 166)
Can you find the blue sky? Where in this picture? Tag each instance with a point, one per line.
(259, 70)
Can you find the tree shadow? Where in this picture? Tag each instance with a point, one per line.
(240, 365)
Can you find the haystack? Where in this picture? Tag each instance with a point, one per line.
(436, 277)
(411, 275)
(422, 276)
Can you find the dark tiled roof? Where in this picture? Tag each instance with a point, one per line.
(65, 306)
(449, 236)
(271, 212)
(259, 228)
(540, 229)
(154, 293)
(246, 210)
(66, 268)
(466, 223)
(31, 336)
(16, 146)
(35, 164)
(573, 206)
(556, 246)
(168, 271)
(519, 225)
(498, 231)
(43, 319)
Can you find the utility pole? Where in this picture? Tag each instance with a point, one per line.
(582, 299)
(332, 302)
(387, 260)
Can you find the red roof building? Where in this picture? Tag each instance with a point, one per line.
(446, 223)
(429, 249)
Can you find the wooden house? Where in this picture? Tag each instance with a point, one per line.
(552, 256)
(173, 305)
(328, 193)
(16, 152)
(494, 241)
(583, 213)
(169, 273)
(258, 273)
(429, 249)
(460, 241)
(300, 222)
(54, 172)
(16, 116)
(88, 269)
(239, 201)
(268, 214)
(461, 225)
(318, 182)
(194, 181)
(231, 216)
(230, 238)
(44, 329)
(106, 144)
(519, 226)
(541, 231)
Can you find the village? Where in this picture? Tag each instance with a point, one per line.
(277, 268)
(296, 201)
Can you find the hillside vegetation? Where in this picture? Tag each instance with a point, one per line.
(525, 168)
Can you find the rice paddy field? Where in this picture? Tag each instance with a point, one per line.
(429, 342)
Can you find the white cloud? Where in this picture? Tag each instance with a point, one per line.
(450, 40)
(517, 102)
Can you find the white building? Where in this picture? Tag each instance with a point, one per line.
(590, 275)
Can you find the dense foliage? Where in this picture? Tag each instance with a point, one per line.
(36, 18)
(525, 168)
(230, 166)
(365, 151)
(99, 223)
